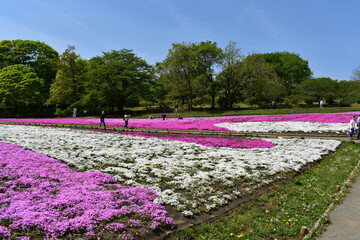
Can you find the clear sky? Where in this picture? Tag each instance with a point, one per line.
(324, 32)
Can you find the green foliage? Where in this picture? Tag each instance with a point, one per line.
(232, 83)
(20, 87)
(189, 70)
(68, 85)
(289, 67)
(114, 77)
(317, 88)
(262, 84)
(38, 55)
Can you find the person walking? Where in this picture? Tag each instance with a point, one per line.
(126, 120)
(163, 115)
(352, 127)
(358, 126)
(321, 104)
(102, 119)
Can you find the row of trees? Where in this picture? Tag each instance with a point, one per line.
(33, 75)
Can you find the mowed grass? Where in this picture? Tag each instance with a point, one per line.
(280, 213)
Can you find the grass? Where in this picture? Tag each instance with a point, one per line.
(280, 213)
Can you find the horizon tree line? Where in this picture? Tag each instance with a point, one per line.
(35, 80)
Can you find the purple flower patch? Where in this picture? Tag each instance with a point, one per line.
(46, 198)
(230, 142)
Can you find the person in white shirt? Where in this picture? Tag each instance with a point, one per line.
(352, 127)
(358, 125)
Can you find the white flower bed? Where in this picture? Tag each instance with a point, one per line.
(281, 127)
(190, 177)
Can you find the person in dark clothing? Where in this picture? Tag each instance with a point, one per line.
(102, 119)
(126, 119)
(163, 115)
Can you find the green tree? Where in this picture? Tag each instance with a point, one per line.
(207, 56)
(290, 67)
(68, 86)
(38, 55)
(262, 85)
(115, 77)
(230, 78)
(177, 72)
(317, 89)
(20, 89)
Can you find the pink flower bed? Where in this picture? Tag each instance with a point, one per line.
(42, 196)
(200, 123)
(230, 142)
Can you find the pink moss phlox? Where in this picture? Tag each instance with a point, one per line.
(38, 192)
(200, 123)
(230, 142)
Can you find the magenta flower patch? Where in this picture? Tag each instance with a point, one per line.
(200, 123)
(43, 197)
(230, 142)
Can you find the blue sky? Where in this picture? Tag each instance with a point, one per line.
(324, 32)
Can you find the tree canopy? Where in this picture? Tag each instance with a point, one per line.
(289, 67)
(115, 78)
(38, 55)
(20, 87)
(68, 86)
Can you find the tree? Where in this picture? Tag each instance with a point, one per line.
(290, 67)
(262, 85)
(207, 56)
(177, 72)
(38, 55)
(319, 88)
(230, 78)
(356, 74)
(20, 89)
(115, 77)
(68, 85)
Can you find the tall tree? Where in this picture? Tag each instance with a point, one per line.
(68, 85)
(356, 74)
(177, 72)
(115, 77)
(20, 89)
(262, 85)
(207, 57)
(290, 67)
(230, 78)
(38, 55)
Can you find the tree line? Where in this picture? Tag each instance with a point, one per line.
(35, 80)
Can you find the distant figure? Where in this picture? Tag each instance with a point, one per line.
(151, 117)
(102, 119)
(180, 117)
(163, 115)
(352, 127)
(126, 119)
(176, 108)
(321, 104)
(358, 125)
(273, 104)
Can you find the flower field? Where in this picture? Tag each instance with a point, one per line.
(339, 121)
(124, 180)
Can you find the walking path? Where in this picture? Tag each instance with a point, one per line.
(346, 218)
